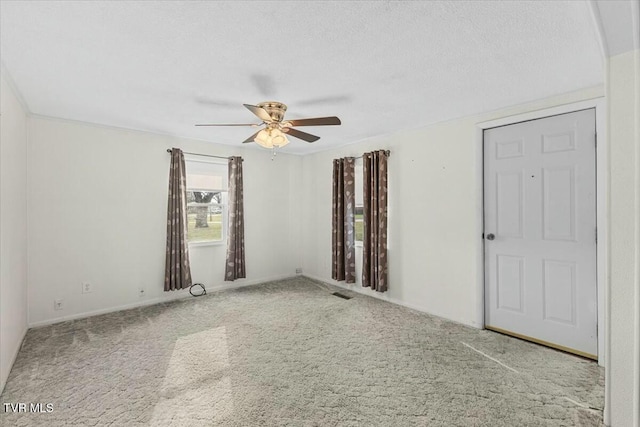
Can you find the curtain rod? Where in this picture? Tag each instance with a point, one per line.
(386, 151)
(204, 155)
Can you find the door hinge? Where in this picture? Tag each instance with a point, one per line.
(596, 139)
(596, 234)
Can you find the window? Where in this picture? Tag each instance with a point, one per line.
(359, 212)
(206, 201)
(359, 223)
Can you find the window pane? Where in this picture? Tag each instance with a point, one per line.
(359, 223)
(204, 226)
(206, 195)
(195, 198)
(359, 227)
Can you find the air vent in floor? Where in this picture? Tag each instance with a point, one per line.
(339, 295)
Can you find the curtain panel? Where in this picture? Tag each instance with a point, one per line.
(235, 264)
(374, 245)
(343, 221)
(177, 270)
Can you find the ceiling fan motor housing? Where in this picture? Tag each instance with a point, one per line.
(275, 109)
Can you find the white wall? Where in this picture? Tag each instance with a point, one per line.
(13, 227)
(97, 213)
(623, 97)
(434, 228)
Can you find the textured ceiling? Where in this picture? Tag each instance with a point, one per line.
(617, 22)
(380, 66)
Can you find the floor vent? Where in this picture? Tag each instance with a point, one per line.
(339, 295)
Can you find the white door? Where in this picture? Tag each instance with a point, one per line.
(540, 231)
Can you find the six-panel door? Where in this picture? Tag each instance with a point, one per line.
(540, 203)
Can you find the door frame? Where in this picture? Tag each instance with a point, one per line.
(602, 214)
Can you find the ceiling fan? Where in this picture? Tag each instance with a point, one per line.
(274, 134)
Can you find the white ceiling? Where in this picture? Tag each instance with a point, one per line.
(621, 33)
(380, 66)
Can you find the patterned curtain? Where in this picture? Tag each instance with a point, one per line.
(374, 254)
(343, 221)
(177, 270)
(235, 267)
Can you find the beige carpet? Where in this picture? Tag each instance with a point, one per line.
(290, 353)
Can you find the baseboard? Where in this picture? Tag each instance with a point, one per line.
(13, 360)
(182, 294)
(172, 296)
(384, 297)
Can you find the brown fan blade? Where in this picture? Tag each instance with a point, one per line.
(318, 121)
(260, 112)
(302, 135)
(227, 124)
(252, 137)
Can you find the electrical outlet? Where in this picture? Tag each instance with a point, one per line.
(141, 292)
(87, 287)
(58, 304)
(298, 270)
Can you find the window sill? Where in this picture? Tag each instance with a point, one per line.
(203, 244)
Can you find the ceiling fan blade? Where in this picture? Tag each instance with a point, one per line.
(227, 124)
(260, 112)
(318, 121)
(252, 137)
(301, 135)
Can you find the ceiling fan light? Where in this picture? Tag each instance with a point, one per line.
(270, 138)
(263, 139)
(278, 139)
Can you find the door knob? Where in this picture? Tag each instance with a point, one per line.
(491, 236)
